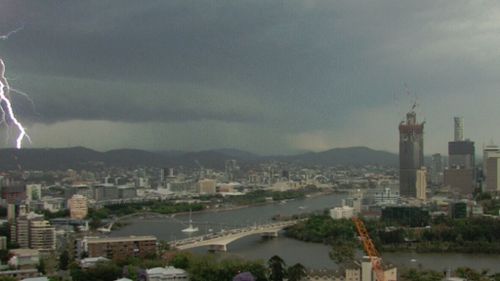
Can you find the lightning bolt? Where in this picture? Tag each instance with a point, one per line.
(6, 109)
(6, 36)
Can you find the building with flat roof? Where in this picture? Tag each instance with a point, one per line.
(168, 273)
(460, 175)
(32, 231)
(24, 258)
(78, 207)
(42, 236)
(207, 186)
(493, 168)
(119, 247)
(421, 184)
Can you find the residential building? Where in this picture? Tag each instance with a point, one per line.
(168, 273)
(32, 231)
(42, 236)
(421, 184)
(91, 262)
(78, 207)
(411, 153)
(24, 258)
(118, 247)
(344, 212)
(207, 186)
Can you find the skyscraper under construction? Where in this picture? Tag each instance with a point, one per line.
(411, 153)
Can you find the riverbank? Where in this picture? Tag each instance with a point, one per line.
(470, 236)
(212, 209)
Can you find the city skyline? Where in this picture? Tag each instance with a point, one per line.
(270, 78)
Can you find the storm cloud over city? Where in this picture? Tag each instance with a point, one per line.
(264, 76)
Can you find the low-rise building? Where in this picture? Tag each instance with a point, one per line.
(20, 274)
(168, 273)
(207, 186)
(92, 262)
(42, 278)
(24, 258)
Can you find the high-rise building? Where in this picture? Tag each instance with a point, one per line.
(436, 172)
(421, 184)
(411, 153)
(487, 151)
(42, 236)
(78, 208)
(32, 231)
(459, 128)
(460, 175)
(493, 167)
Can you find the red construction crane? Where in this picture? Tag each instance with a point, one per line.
(370, 249)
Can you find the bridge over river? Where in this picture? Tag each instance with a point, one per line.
(219, 241)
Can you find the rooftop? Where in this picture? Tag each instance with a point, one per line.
(120, 239)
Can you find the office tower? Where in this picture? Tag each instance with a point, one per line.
(436, 172)
(411, 153)
(460, 175)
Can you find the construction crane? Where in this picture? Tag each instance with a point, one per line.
(370, 249)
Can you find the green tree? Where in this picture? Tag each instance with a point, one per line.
(296, 272)
(64, 260)
(276, 267)
(471, 274)
(180, 260)
(342, 252)
(421, 275)
(7, 278)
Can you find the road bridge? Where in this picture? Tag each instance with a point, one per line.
(219, 241)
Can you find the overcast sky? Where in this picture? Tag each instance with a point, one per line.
(270, 77)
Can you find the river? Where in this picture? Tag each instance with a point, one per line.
(292, 251)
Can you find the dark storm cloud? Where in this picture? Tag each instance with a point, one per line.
(277, 52)
(321, 73)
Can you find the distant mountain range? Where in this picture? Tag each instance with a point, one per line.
(80, 157)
